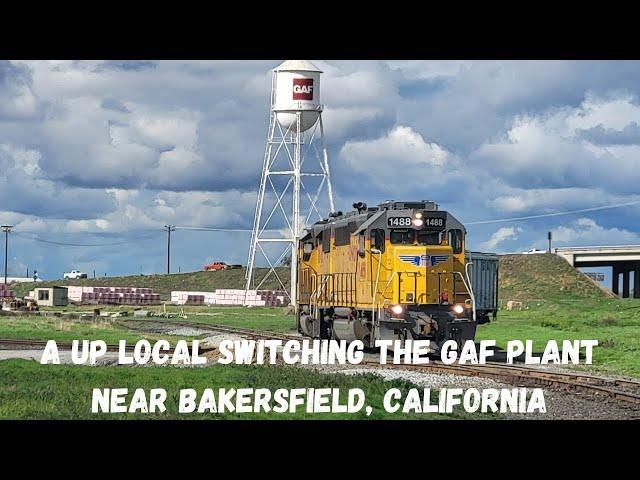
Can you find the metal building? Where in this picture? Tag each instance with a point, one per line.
(52, 296)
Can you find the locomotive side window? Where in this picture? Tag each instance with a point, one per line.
(361, 244)
(377, 239)
(326, 241)
(343, 237)
(402, 236)
(455, 240)
(307, 250)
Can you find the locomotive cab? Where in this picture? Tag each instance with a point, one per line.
(393, 272)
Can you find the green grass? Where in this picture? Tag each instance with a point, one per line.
(29, 390)
(272, 319)
(163, 284)
(543, 277)
(615, 323)
(66, 330)
(261, 318)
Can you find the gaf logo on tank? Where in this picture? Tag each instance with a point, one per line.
(303, 88)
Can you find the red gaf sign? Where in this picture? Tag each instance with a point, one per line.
(303, 88)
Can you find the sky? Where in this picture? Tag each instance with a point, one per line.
(100, 155)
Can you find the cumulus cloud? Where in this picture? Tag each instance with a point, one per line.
(118, 147)
(629, 135)
(552, 150)
(548, 200)
(393, 159)
(17, 100)
(586, 231)
(500, 236)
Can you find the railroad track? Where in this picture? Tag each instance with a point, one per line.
(622, 390)
(249, 332)
(617, 389)
(40, 344)
(627, 391)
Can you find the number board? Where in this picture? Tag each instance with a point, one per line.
(434, 222)
(399, 222)
(430, 222)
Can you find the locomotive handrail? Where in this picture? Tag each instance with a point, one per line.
(470, 289)
(393, 274)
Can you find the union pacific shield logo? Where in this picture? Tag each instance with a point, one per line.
(424, 260)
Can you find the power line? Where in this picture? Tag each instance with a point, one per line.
(556, 214)
(247, 230)
(478, 222)
(69, 244)
(213, 229)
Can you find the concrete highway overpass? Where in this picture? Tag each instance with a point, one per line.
(623, 259)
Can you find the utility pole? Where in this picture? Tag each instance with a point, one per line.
(6, 229)
(169, 228)
(549, 238)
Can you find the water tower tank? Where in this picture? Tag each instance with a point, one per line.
(297, 89)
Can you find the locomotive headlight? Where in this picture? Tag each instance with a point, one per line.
(418, 215)
(458, 309)
(397, 309)
(418, 222)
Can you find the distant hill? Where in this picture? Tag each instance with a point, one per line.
(522, 277)
(543, 277)
(163, 284)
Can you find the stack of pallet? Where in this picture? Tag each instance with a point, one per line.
(5, 292)
(113, 295)
(222, 296)
(268, 298)
(193, 298)
(228, 296)
(273, 298)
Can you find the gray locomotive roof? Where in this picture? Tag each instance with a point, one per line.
(369, 221)
(368, 218)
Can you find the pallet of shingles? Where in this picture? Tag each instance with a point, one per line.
(5, 292)
(114, 295)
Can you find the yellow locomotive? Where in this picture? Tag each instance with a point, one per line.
(392, 272)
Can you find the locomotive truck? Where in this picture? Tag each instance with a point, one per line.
(397, 271)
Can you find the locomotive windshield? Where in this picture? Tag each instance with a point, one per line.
(429, 238)
(407, 236)
(403, 236)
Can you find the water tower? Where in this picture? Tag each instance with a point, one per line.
(295, 188)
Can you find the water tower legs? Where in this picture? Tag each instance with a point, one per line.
(295, 184)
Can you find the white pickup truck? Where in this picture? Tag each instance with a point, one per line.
(74, 274)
